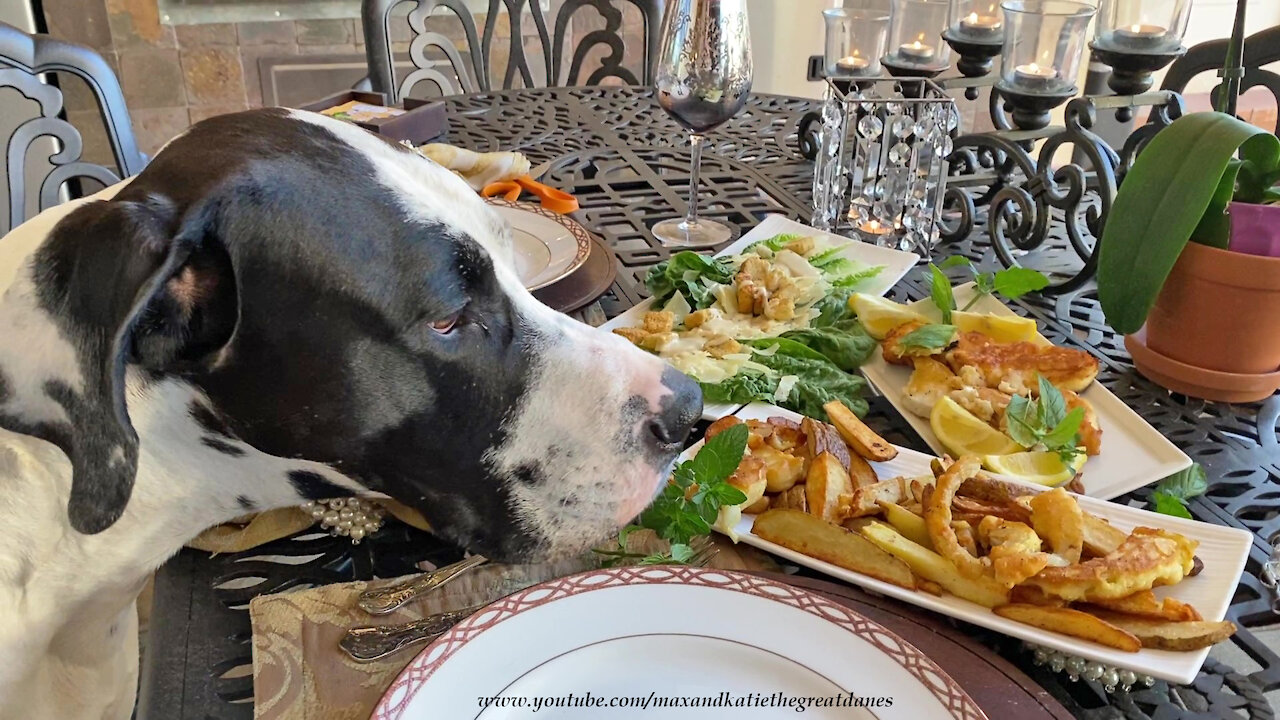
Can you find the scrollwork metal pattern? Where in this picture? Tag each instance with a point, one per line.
(23, 58)
(626, 181)
(474, 73)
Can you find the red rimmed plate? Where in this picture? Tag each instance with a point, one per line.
(548, 247)
(658, 642)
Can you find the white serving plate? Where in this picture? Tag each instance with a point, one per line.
(896, 264)
(650, 632)
(1223, 550)
(548, 247)
(1133, 453)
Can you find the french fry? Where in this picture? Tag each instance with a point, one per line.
(928, 586)
(964, 535)
(1100, 537)
(929, 565)
(1144, 604)
(1032, 595)
(826, 482)
(1071, 622)
(757, 507)
(817, 538)
(962, 505)
(1168, 635)
(909, 524)
(866, 499)
(861, 438)
(791, 499)
(861, 474)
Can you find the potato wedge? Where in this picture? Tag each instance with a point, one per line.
(817, 538)
(782, 470)
(861, 474)
(1032, 595)
(866, 499)
(1101, 538)
(822, 438)
(861, 438)
(826, 482)
(758, 506)
(1075, 623)
(928, 586)
(1168, 635)
(909, 524)
(931, 566)
(791, 499)
(856, 524)
(1145, 604)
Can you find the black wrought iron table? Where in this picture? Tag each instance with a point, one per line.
(626, 161)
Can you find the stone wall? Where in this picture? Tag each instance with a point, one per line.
(174, 76)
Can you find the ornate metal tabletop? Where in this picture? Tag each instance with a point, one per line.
(626, 162)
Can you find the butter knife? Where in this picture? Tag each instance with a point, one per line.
(391, 598)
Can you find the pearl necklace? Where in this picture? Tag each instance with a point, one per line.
(355, 518)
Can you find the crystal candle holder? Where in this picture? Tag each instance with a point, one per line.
(880, 173)
(1044, 42)
(977, 21)
(855, 40)
(1142, 26)
(915, 49)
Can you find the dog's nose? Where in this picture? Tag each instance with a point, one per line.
(680, 409)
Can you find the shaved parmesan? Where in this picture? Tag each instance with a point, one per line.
(784, 387)
(767, 352)
(678, 307)
(796, 265)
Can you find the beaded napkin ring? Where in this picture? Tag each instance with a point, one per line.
(1111, 677)
(355, 518)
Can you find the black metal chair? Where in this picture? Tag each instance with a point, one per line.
(472, 74)
(23, 59)
(1261, 48)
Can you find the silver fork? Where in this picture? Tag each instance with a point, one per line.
(393, 597)
(368, 644)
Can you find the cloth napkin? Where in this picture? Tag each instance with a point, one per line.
(478, 169)
(299, 673)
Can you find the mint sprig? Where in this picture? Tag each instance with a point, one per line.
(1172, 493)
(690, 501)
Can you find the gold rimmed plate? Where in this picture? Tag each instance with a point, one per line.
(548, 247)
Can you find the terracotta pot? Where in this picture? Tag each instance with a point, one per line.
(1219, 310)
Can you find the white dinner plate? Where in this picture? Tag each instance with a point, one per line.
(1223, 550)
(1133, 453)
(645, 634)
(896, 264)
(547, 246)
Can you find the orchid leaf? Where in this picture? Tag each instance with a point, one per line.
(1161, 203)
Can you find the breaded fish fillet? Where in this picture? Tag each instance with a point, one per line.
(1012, 367)
(930, 381)
(1148, 558)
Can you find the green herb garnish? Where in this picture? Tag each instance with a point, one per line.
(1010, 283)
(1045, 422)
(928, 337)
(940, 292)
(1172, 493)
(690, 502)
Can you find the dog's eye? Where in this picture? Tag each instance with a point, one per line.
(444, 326)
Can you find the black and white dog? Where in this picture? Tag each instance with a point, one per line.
(284, 307)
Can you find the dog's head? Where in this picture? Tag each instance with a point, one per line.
(336, 299)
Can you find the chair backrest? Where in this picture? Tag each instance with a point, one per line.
(473, 73)
(23, 58)
(1260, 49)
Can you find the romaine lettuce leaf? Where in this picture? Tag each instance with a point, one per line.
(683, 273)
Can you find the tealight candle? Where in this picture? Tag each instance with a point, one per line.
(1034, 76)
(1139, 37)
(984, 26)
(915, 51)
(852, 64)
(874, 229)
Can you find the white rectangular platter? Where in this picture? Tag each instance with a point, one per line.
(1223, 550)
(1133, 453)
(896, 264)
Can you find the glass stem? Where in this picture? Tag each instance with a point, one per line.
(695, 141)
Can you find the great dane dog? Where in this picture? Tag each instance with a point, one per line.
(284, 307)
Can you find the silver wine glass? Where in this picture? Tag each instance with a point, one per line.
(703, 79)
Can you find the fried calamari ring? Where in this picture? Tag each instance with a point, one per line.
(937, 517)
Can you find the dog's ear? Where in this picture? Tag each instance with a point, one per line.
(129, 285)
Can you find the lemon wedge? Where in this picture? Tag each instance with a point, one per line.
(962, 433)
(1001, 328)
(1040, 466)
(881, 315)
